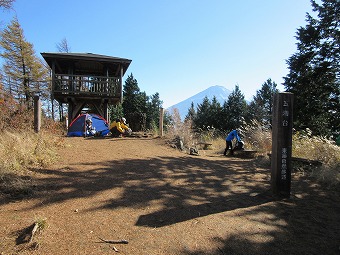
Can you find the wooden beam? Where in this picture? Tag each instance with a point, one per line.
(121, 84)
(98, 108)
(75, 108)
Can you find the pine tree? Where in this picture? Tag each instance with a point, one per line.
(261, 106)
(215, 113)
(191, 115)
(116, 111)
(314, 71)
(134, 101)
(135, 104)
(25, 74)
(153, 111)
(224, 117)
(203, 114)
(235, 108)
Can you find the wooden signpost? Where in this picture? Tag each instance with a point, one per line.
(37, 114)
(161, 116)
(281, 159)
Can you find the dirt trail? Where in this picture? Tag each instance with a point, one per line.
(164, 201)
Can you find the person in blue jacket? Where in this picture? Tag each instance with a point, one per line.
(229, 145)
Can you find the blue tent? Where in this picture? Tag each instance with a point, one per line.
(77, 126)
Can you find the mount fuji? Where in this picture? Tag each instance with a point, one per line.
(221, 93)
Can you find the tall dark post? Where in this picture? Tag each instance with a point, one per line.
(281, 160)
(37, 114)
(161, 117)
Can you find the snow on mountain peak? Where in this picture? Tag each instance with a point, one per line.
(221, 93)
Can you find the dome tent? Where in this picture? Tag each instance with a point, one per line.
(77, 126)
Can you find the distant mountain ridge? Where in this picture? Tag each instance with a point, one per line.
(221, 93)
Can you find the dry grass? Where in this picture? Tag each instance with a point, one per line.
(20, 151)
(307, 146)
(193, 138)
(181, 130)
(258, 138)
(255, 137)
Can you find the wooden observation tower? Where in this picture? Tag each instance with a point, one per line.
(81, 79)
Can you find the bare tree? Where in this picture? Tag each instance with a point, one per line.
(63, 46)
(6, 4)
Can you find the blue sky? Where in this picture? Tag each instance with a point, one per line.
(178, 47)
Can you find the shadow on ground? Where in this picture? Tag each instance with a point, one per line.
(191, 187)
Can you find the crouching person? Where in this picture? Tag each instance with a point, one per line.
(90, 130)
(119, 128)
(229, 142)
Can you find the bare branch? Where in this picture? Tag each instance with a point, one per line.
(63, 46)
(123, 241)
(6, 4)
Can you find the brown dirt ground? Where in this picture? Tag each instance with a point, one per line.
(164, 201)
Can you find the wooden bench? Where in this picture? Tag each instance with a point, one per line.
(245, 153)
(307, 161)
(205, 146)
(304, 161)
